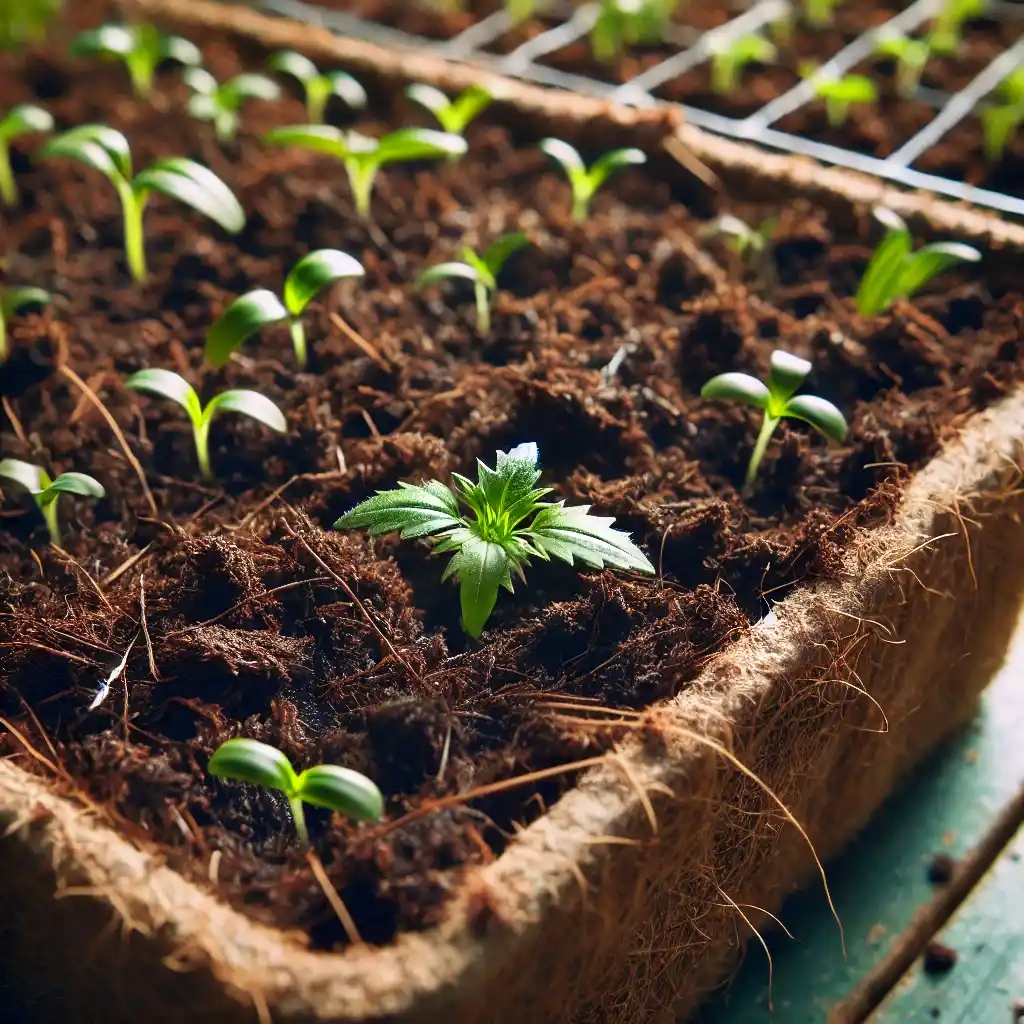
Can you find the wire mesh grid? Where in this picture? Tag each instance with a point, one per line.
(696, 48)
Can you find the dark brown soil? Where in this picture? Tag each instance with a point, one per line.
(939, 958)
(263, 621)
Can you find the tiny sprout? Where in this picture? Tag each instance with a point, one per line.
(911, 56)
(840, 94)
(325, 785)
(751, 245)
(141, 47)
(482, 271)
(508, 524)
(948, 29)
(624, 23)
(452, 115)
(586, 181)
(20, 120)
(363, 157)
(778, 400)
(106, 150)
(170, 385)
(220, 103)
(14, 300)
(1001, 119)
(257, 309)
(820, 13)
(45, 491)
(729, 58)
(895, 271)
(318, 86)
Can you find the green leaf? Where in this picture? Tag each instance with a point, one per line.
(102, 148)
(13, 300)
(879, 287)
(517, 472)
(484, 273)
(179, 49)
(243, 318)
(788, 372)
(168, 384)
(249, 87)
(428, 97)
(71, 483)
(347, 88)
(443, 271)
(571, 534)
(821, 414)
(315, 272)
(481, 567)
(107, 39)
(321, 138)
(195, 186)
(999, 125)
(200, 80)
(566, 155)
(415, 510)
(850, 89)
(468, 105)
(418, 144)
(295, 64)
(340, 789)
(920, 267)
(33, 478)
(740, 387)
(247, 760)
(249, 403)
(604, 165)
(25, 118)
(498, 253)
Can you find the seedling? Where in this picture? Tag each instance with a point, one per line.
(1001, 119)
(220, 103)
(325, 785)
(948, 29)
(911, 56)
(778, 400)
(24, 21)
(624, 23)
(18, 121)
(820, 13)
(895, 271)
(751, 245)
(168, 384)
(452, 115)
(318, 86)
(730, 57)
(12, 301)
(257, 309)
(507, 524)
(363, 157)
(586, 181)
(140, 47)
(482, 271)
(106, 150)
(45, 491)
(840, 94)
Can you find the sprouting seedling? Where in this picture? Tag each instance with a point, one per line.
(318, 86)
(106, 150)
(258, 309)
(778, 400)
(142, 48)
(507, 524)
(583, 180)
(325, 785)
(1001, 119)
(45, 491)
(840, 94)
(730, 57)
(168, 384)
(481, 270)
(452, 115)
(895, 271)
(220, 103)
(948, 29)
(820, 13)
(751, 244)
(363, 157)
(18, 121)
(624, 23)
(911, 56)
(14, 300)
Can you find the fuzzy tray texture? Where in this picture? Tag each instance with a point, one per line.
(685, 753)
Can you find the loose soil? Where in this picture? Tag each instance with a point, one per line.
(261, 620)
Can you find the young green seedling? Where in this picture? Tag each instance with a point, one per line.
(452, 115)
(751, 245)
(820, 13)
(585, 181)
(106, 150)
(624, 23)
(911, 56)
(778, 400)
(14, 300)
(1001, 119)
(25, 21)
(257, 309)
(140, 47)
(363, 157)
(45, 491)
(318, 86)
(325, 785)
(895, 271)
(948, 29)
(507, 524)
(221, 103)
(730, 57)
(18, 121)
(482, 271)
(167, 384)
(840, 94)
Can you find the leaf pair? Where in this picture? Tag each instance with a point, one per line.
(220, 103)
(839, 94)
(454, 115)
(14, 300)
(1001, 118)
(46, 491)
(731, 57)
(911, 56)
(586, 181)
(318, 86)
(624, 23)
(21, 120)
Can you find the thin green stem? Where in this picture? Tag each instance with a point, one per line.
(767, 429)
(8, 189)
(580, 205)
(140, 68)
(299, 817)
(134, 242)
(225, 124)
(316, 101)
(202, 436)
(52, 522)
(361, 175)
(483, 308)
(298, 333)
(836, 110)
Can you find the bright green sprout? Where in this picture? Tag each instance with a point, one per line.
(142, 49)
(778, 400)
(586, 181)
(452, 115)
(257, 309)
(729, 58)
(20, 120)
(752, 245)
(325, 785)
(895, 271)
(106, 150)
(911, 56)
(220, 104)
(318, 86)
(624, 23)
(25, 21)
(948, 28)
(14, 300)
(363, 157)
(840, 94)
(167, 384)
(820, 13)
(507, 525)
(1001, 119)
(482, 271)
(45, 491)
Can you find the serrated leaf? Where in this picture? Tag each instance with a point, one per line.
(246, 760)
(196, 186)
(481, 567)
(321, 138)
(740, 387)
(315, 272)
(25, 118)
(418, 144)
(340, 789)
(443, 271)
(168, 384)
(13, 300)
(788, 372)
(33, 478)
(572, 534)
(71, 483)
(414, 510)
(248, 403)
(821, 414)
(498, 253)
(516, 472)
(243, 318)
(920, 267)
(295, 64)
